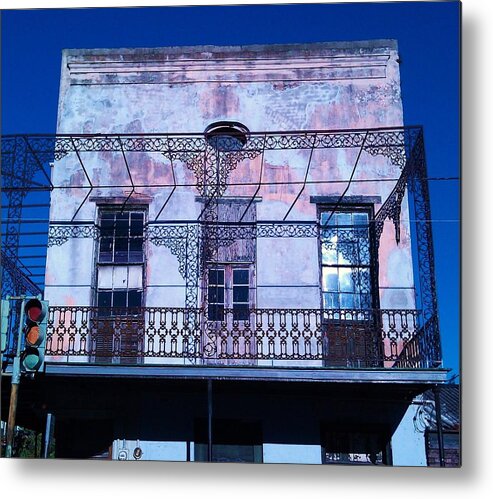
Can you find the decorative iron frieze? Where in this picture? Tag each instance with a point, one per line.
(60, 234)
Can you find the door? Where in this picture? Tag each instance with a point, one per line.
(229, 325)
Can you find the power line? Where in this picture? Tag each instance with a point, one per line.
(182, 222)
(230, 184)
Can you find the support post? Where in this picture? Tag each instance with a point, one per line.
(47, 435)
(14, 387)
(438, 414)
(14, 390)
(209, 420)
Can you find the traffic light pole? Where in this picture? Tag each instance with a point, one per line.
(14, 388)
(47, 436)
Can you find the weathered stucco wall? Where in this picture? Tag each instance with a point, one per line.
(267, 88)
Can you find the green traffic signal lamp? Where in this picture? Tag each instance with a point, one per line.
(36, 314)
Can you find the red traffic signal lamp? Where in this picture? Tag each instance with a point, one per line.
(36, 317)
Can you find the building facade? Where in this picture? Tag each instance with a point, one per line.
(232, 269)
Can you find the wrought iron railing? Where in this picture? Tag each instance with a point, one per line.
(312, 337)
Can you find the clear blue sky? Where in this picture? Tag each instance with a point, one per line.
(428, 37)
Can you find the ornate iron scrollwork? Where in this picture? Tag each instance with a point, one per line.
(60, 234)
(194, 243)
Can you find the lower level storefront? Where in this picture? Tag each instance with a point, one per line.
(222, 420)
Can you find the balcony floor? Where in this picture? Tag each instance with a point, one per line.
(305, 374)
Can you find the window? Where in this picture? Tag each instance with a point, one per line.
(228, 288)
(119, 302)
(216, 295)
(352, 338)
(241, 292)
(354, 447)
(346, 260)
(233, 441)
(119, 323)
(122, 237)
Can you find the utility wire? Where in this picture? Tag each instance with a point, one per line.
(232, 184)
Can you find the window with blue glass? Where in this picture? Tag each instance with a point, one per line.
(346, 259)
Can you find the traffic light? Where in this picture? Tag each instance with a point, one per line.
(36, 318)
(4, 325)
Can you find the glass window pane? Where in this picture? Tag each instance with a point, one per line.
(347, 300)
(330, 281)
(105, 257)
(240, 312)
(240, 294)
(327, 219)
(356, 301)
(134, 298)
(119, 299)
(343, 218)
(107, 215)
(364, 284)
(106, 250)
(107, 225)
(346, 280)
(137, 224)
(122, 224)
(216, 294)
(104, 299)
(121, 243)
(216, 312)
(365, 301)
(106, 245)
(347, 254)
(216, 276)
(329, 246)
(121, 249)
(364, 251)
(360, 218)
(329, 256)
(331, 301)
(136, 253)
(240, 276)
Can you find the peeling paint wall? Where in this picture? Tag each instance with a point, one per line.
(325, 86)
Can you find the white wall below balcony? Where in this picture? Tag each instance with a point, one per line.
(408, 443)
(123, 450)
(292, 454)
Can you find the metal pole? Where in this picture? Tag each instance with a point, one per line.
(438, 413)
(47, 435)
(209, 420)
(14, 387)
(11, 421)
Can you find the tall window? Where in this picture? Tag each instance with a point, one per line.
(120, 261)
(120, 285)
(346, 259)
(229, 279)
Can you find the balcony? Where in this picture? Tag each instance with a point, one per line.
(384, 339)
(289, 202)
